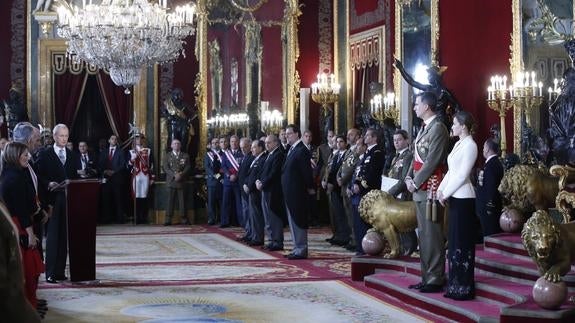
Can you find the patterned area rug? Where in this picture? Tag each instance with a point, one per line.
(153, 248)
(326, 301)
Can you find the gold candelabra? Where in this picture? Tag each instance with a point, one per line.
(325, 91)
(525, 94)
(223, 124)
(384, 107)
(272, 121)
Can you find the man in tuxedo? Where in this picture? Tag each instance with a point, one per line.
(243, 216)
(297, 186)
(256, 217)
(488, 199)
(212, 165)
(231, 201)
(177, 166)
(398, 170)
(368, 178)
(344, 176)
(113, 167)
(424, 176)
(270, 185)
(55, 167)
(87, 159)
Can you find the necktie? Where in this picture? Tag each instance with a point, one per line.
(85, 160)
(111, 154)
(62, 156)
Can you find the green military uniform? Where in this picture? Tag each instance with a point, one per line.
(399, 167)
(176, 163)
(431, 145)
(345, 172)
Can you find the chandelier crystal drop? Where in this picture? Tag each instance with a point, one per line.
(123, 36)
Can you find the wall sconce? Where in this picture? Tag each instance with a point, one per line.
(383, 107)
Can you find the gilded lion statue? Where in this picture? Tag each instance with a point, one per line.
(389, 217)
(551, 245)
(527, 188)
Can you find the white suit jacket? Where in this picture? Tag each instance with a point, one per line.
(460, 162)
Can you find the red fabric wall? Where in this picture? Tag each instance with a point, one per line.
(5, 49)
(271, 89)
(474, 43)
(363, 6)
(185, 70)
(308, 62)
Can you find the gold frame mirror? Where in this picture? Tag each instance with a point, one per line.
(290, 77)
(535, 47)
(410, 17)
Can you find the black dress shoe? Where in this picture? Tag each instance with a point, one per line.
(275, 248)
(255, 243)
(224, 226)
(431, 288)
(287, 255)
(211, 222)
(296, 257)
(61, 277)
(329, 239)
(340, 243)
(51, 280)
(41, 301)
(350, 247)
(417, 286)
(167, 224)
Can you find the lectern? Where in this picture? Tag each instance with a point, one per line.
(82, 202)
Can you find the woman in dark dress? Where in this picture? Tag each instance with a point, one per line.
(18, 193)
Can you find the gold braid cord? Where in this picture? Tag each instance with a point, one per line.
(248, 8)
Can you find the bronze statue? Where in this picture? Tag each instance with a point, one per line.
(180, 119)
(562, 121)
(445, 99)
(527, 188)
(551, 245)
(389, 217)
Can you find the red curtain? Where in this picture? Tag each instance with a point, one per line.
(68, 92)
(118, 105)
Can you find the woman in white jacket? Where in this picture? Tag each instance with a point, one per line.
(456, 188)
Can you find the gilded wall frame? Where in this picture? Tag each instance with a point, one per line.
(46, 50)
(517, 65)
(399, 90)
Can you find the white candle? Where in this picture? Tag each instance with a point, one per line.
(504, 81)
(540, 89)
(550, 92)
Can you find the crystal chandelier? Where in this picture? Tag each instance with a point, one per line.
(123, 36)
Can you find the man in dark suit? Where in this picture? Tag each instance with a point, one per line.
(113, 167)
(212, 165)
(55, 167)
(269, 183)
(429, 156)
(243, 217)
(398, 170)
(297, 186)
(284, 145)
(255, 214)
(88, 161)
(231, 200)
(488, 199)
(368, 178)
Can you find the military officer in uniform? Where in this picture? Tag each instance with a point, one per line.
(212, 165)
(177, 167)
(368, 178)
(344, 175)
(399, 167)
(431, 149)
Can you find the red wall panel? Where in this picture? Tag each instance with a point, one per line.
(474, 43)
(5, 49)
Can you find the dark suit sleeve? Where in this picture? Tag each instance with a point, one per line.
(275, 170)
(305, 167)
(46, 197)
(17, 199)
(373, 174)
(491, 177)
(400, 187)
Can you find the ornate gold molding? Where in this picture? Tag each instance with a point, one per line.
(291, 51)
(435, 32)
(201, 85)
(516, 65)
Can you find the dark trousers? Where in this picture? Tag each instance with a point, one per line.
(172, 194)
(114, 197)
(256, 216)
(273, 223)
(359, 226)
(461, 241)
(57, 238)
(142, 210)
(231, 204)
(214, 202)
(342, 230)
